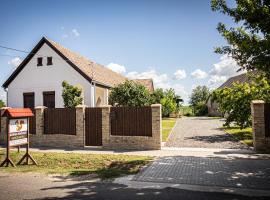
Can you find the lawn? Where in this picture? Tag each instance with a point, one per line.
(167, 125)
(105, 166)
(244, 135)
(186, 111)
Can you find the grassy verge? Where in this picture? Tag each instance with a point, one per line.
(243, 135)
(167, 125)
(105, 166)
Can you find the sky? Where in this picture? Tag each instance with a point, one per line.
(171, 41)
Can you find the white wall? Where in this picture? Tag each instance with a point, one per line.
(37, 79)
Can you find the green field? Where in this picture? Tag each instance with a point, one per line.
(186, 111)
(105, 166)
(243, 135)
(167, 125)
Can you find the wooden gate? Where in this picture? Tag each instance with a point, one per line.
(93, 127)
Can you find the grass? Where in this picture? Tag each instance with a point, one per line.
(167, 125)
(186, 111)
(243, 135)
(105, 166)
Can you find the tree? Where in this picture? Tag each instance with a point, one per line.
(199, 94)
(235, 101)
(168, 102)
(72, 95)
(129, 93)
(167, 98)
(2, 103)
(248, 44)
(198, 100)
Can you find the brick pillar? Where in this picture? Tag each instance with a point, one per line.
(156, 126)
(106, 131)
(258, 126)
(40, 120)
(3, 133)
(80, 125)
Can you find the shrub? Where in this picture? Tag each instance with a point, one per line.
(72, 95)
(130, 93)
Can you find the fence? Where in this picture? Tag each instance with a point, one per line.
(60, 121)
(109, 127)
(131, 121)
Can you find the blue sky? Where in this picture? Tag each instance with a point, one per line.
(171, 41)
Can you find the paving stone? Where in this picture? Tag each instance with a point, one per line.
(222, 172)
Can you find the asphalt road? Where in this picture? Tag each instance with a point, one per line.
(38, 186)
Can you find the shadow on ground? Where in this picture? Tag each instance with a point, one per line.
(217, 138)
(122, 192)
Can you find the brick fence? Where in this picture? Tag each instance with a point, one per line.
(109, 141)
(260, 125)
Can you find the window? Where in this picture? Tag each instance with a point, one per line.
(29, 100)
(49, 99)
(49, 61)
(39, 61)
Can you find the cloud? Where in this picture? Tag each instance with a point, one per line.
(117, 68)
(199, 74)
(15, 61)
(75, 32)
(180, 74)
(160, 80)
(214, 79)
(225, 68)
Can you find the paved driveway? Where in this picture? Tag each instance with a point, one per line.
(202, 132)
(212, 172)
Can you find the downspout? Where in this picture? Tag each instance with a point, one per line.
(93, 95)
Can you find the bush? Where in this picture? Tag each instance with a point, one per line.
(235, 101)
(201, 109)
(72, 95)
(130, 93)
(2, 103)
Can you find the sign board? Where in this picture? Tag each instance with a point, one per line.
(18, 131)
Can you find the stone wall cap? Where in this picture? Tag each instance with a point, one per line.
(257, 101)
(4, 108)
(40, 107)
(105, 106)
(81, 106)
(156, 105)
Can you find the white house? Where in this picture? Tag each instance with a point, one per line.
(38, 79)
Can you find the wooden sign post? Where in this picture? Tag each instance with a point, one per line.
(18, 133)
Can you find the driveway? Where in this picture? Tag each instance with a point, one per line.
(201, 132)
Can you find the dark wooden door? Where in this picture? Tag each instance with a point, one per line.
(29, 102)
(49, 99)
(93, 127)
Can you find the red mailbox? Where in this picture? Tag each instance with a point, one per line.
(18, 132)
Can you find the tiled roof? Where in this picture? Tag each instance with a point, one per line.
(148, 83)
(98, 73)
(18, 112)
(242, 78)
